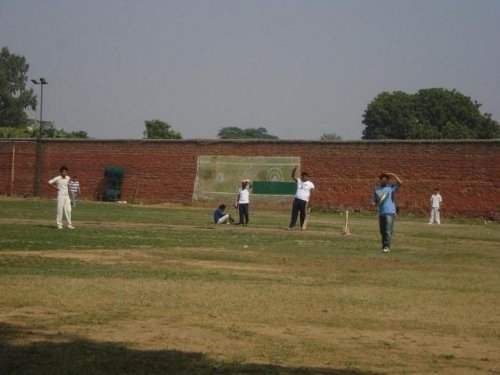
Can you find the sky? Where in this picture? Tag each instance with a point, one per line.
(298, 68)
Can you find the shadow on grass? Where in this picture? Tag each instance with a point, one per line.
(63, 354)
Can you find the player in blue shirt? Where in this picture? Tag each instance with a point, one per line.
(384, 198)
(220, 216)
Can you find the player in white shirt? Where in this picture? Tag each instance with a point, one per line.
(243, 201)
(436, 200)
(74, 190)
(63, 199)
(302, 196)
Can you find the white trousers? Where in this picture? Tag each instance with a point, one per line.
(435, 216)
(63, 206)
(224, 219)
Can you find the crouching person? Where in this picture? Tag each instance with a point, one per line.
(221, 217)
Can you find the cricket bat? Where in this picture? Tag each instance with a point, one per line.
(308, 213)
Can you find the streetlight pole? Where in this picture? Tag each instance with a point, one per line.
(38, 162)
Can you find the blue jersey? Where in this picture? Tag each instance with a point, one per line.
(384, 199)
(218, 213)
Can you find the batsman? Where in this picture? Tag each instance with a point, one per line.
(302, 196)
(384, 198)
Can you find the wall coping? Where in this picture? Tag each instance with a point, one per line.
(255, 141)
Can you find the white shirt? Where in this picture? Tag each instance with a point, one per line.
(61, 184)
(436, 200)
(244, 195)
(74, 186)
(304, 189)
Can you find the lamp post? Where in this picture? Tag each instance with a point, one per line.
(38, 162)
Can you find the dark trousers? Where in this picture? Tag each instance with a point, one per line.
(243, 210)
(299, 206)
(386, 224)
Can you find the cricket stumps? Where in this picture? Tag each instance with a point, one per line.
(346, 231)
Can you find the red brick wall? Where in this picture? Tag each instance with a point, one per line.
(24, 167)
(468, 172)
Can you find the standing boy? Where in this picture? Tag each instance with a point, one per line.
(436, 200)
(302, 196)
(384, 199)
(63, 200)
(243, 201)
(74, 190)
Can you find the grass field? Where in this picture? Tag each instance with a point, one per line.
(159, 290)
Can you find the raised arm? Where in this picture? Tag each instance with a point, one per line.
(294, 174)
(52, 182)
(395, 176)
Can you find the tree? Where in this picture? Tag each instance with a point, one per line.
(330, 137)
(429, 114)
(79, 134)
(49, 131)
(15, 132)
(157, 129)
(233, 132)
(14, 97)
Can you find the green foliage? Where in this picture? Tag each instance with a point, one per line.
(49, 131)
(157, 129)
(14, 97)
(330, 137)
(434, 113)
(16, 132)
(78, 134)
(234, 132)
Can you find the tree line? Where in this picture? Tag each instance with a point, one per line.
(433, 113)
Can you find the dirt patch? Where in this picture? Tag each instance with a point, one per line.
(140, 257)
(388, 351)
(335, 232)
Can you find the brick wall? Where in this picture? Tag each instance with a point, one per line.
(467, 172)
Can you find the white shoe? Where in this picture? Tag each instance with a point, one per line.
(386, 250)
(59, 227)
(71, 227)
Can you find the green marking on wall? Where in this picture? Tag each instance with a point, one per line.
(274, 188)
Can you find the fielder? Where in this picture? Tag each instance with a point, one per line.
(384, 199)
(221, 217)
(74, 190)
(63, 200)
(302, 196)
(242, 202)
(436, 200)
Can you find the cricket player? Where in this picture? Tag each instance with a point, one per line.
(384, 199)
(220, 216)
(74, 190)
(436, 200)
(63, 200)
(243, 201)
(302, 196)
